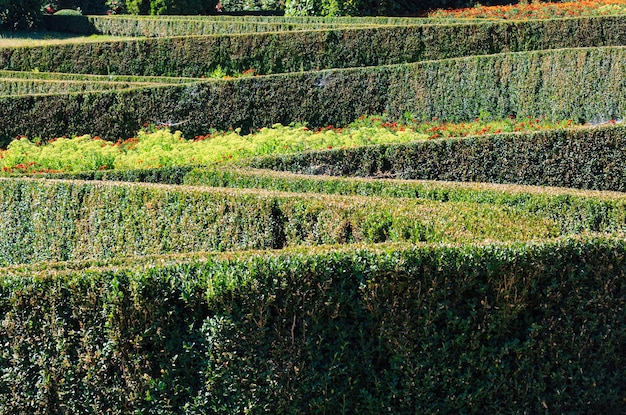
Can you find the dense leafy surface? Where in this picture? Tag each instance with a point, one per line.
(483, 298)
(437, 328)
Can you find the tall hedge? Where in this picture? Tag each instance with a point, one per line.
(579, 84)
(524, 328)
(298, 50)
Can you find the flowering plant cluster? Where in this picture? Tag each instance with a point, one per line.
(537, 10)
(159, 147)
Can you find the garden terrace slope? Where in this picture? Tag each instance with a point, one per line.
(584, 158)
(520, 326)
(266, 53)
(587, 84)
(60, 220)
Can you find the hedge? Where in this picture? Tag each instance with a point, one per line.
(575, 211)
(580, 84)
(125, 25)
(62, 220)
(521, 328)
(61, 76)
(16, 83)
(171, 26)
(295, 51)
(20, 87)
(583, 158)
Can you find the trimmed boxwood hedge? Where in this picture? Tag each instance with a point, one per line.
(60, 220)
(267, 53)
(575, 211)
(583, 158)
(581, 84)
(474, 329)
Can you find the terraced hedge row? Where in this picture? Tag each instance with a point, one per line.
(513, 84)
(63, 220)
(266, 53)
(14, 83)
(583, 158)
(574, 211)
(423, 329)
(173, 26)
(215, 24)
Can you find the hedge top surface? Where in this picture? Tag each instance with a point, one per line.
(439, 185)
(141, 264)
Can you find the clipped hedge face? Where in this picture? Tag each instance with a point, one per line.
(589, 158)
(294, 47)
(523, 84)
(426, 329)
(44, 221)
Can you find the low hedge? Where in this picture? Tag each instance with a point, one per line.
(61, 220)
(581, 84)
(281, 52)
(20, 87)
(575, 211)
(523, 328)
(172, 26)
(583, 158)
(63, 76)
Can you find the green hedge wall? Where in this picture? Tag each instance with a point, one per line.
(583, 158)
(171, 26)
(62, 220)
(476, 329)
(308, 50)
(575, 211)
(580, 84)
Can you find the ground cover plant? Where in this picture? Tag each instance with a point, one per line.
(246, 279)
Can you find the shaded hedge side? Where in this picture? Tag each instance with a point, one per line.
(267, 53)
(55, 221)
(580, 84)
(475, 329)
(582, 158)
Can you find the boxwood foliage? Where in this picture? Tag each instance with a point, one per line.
(581, 84)
(59, 220)
(575, 211)
(423, 329)
(294, 51)
(584, 158)
(175, 26)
